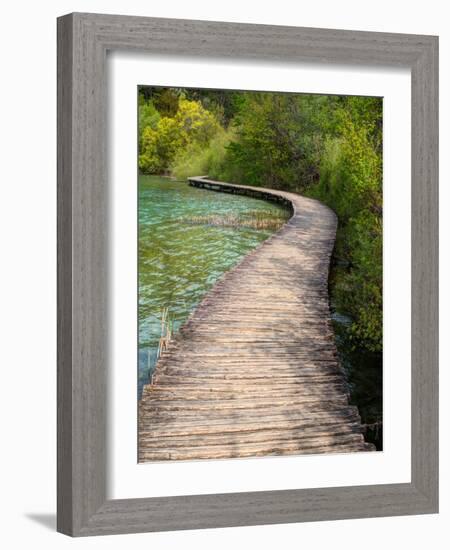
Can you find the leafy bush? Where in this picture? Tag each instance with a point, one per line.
(351, 184)
(276, 143)
(148, 114)
(209, 160)
(191, 128)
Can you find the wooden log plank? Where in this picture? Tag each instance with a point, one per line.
(235, 392)
(275, 449)
(268, 436)
(303, 410)
(274, 403)
(203, 427)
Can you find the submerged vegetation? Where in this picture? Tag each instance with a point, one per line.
(254, 219)
(327, 147)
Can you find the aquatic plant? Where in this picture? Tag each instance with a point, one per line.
(260, 222)
(166, 332)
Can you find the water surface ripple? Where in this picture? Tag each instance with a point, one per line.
(182, 254)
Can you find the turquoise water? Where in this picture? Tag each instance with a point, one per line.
(188, 238)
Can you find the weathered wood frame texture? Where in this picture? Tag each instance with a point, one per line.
(83, 41)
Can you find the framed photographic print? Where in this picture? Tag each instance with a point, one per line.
(247, 269)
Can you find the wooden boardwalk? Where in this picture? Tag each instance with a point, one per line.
(254, 370)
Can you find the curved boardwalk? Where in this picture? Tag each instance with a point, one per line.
(254, 370)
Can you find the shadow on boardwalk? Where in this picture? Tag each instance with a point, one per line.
(254, 370)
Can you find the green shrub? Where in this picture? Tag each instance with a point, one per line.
(209, 160)
(191, 128)
(351, 184)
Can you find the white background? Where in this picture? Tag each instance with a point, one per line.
(127, 479)
(28, 302)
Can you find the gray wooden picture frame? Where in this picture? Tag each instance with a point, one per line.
(83, 41)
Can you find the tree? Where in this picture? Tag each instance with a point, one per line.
(351, 184)
(278, 141)
(159, 144)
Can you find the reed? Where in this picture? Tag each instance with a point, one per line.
(166, 332)
(252, 220)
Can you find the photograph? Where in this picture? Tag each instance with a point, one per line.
(260, 269)
(221, 251)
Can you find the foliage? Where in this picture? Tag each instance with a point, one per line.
(350, 182)
(277, 144)
(210, 159)
(166, 101)
(222, 103)
(191, 127)
(148, 116)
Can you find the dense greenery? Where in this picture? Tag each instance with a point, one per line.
(328, 147)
